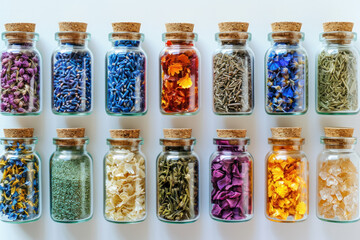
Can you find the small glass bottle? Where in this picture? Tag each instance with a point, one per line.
(126, 71)
(179, 71)
(287, 174)
(233, 70)
(286, 73)
(338, 177)
(124, 178)
(177, 176)
(20, 88)
(72, 71)
(337, 65)
(20, 177)
(231, 177)
(71, 171)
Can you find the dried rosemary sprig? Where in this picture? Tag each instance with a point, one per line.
(232, 84)
(178, 186)
(337, 81)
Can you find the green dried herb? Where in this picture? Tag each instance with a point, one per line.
(337, 81)
(70, 190)
(178, 186)
(233, 81)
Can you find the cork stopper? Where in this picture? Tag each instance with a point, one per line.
(126, 30)
(179, 27)
(177, 132)
(233, 30)
(72, 32)
(70, 132)
(286, 26)
(231, 133)
(338, 132)
(72, 26)
(338, 26)
(125, 133)
(20, 32)
(126, 26)
(288, 32)
(286, 132)
(19, 132)
(20, 27)
(338, 32)
(183, 31)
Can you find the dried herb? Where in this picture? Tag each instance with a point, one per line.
(286, 80)
(337, 81)
(178, 188)
(70, 190)
(180, 77)
(233, 81)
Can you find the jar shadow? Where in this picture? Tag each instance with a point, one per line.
(245, 229)
(86, 230)
(184, 231)
(131, 231)
(34, 230)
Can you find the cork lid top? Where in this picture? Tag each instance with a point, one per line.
(233, 26)
(70, 132)
(20, 27)
(231, 133)
(286, 132)
(338, 26)
(338, 132)
(286, 26)
(125, 133)
(72, 26)
(177, 132)
(19, 132)
(179, 27)
(126, 26)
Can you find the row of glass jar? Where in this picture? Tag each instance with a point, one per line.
(286, 71)
(177, 177)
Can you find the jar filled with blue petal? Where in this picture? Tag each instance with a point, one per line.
(126, 71)
(286, 73)
(20, 173)
(72, 71)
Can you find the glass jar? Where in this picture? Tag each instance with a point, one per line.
(287, 191)
(72, 72)
(233, 74)
(177, 174)
(337, 65)
(124, 178)
(338, 180)
(71, 186)
(286, 73)
(20, 89)
(20, 182)
(126, 74)
(179, 71)
(231, 178)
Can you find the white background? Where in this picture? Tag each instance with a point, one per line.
(99, 14)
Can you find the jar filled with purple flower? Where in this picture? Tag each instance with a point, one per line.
(72, 71)
(231, 176)
(20, 71)
(286, 73)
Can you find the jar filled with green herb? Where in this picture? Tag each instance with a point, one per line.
(124, 178)
(177, 174)
(20, 177)
(286, 73)
(71, 177)
(233, 70)
(337, 70)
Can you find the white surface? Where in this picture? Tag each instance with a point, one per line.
(153, 14)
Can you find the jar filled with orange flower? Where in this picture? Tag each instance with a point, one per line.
(287, 169)
(179, 70)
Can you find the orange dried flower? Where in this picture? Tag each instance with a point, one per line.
(185, 82)
(175, 68)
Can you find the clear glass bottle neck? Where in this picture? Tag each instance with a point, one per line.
(76, 148)
(14, 148)
(28, 44)
(188, 148)
(124, 43)
(181, 43)
(337, 43)
(79, 45)
(132, 148)
(278, 147)
(285, 43)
